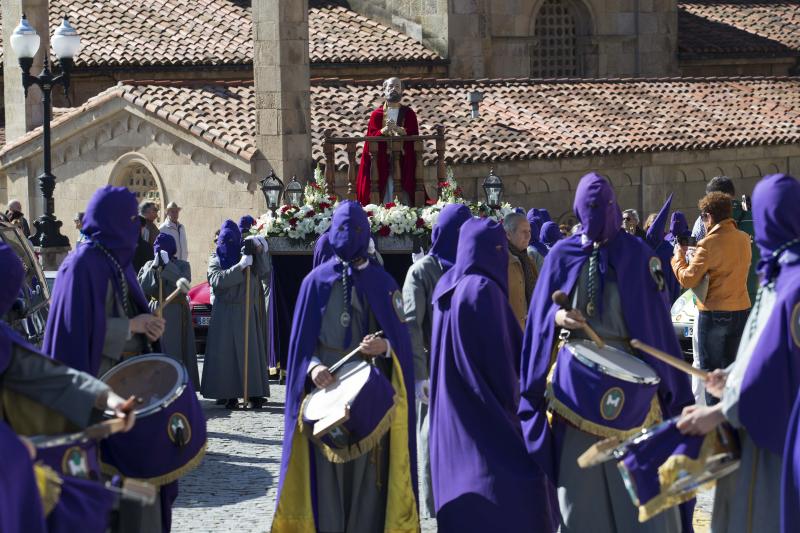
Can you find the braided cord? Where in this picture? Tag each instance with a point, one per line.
(122, 280)
(591, 306)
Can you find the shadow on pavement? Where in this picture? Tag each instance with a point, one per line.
(232, 483)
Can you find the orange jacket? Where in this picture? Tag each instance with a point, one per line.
(725, 255)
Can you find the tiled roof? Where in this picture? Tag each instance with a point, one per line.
(520, 119)
(739, 27)
(122, 33)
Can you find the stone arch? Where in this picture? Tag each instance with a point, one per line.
(561, 31)
(680, 176)
(137, 173)
(772, 168)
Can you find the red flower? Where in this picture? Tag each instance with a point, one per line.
(313, 185)
(384, 231)
(390, 205)
(370, 214)
(293, 222)
(310, 214)
(420, 222)
(430, 201)
(458, 192)
(443, 184)
(324, 205)
(332, 197)
(285, 208)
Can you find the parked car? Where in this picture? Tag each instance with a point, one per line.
(28, 315)
(684, 315)
(200, 304)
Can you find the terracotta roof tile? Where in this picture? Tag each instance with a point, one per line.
(739, 27)
(121, 33)
(520, 119)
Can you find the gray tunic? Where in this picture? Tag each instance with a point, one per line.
(595, 499)
(224, 360)
(538, 259)
(418, 289)
(178, 339)
(351, 497)
(749, 499)
(118, 342)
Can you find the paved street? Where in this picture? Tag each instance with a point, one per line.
(234, 488)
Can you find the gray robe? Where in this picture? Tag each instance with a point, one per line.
(418, 288)
(749, 499)
(119, 343)
(178, 339)
(224, 359)
(351, 497)
(595, 499)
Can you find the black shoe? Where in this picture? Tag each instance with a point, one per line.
(257, 402)
(233, 403)
(220, 402)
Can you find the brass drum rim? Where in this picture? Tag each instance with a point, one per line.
(176, 392)
(629, 378)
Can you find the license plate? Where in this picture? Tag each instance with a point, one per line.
(688, 331)
(203, 321)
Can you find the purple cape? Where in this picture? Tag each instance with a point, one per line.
(76, 325)
(166, 242)
(483, 479)
(20, 504)
(790, 480)
(229, 245)
(599, 215)
(245, 223)
(322, 250)
(536, 227)
(663, 249)
(83, 505)
(550, 234)
(444, 237)
(349, 236)
(772, 378)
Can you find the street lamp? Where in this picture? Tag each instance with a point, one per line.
(294, 192)
(272, 187)
(493, 189)
(66, 43)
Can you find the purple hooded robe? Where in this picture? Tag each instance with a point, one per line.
(349, 236)
(483, 479)
(600, 217)
(322, 250)
(76, 325)
(245, 223)
(166, 242)
(678, 227)
(550, 234)
(535, 220)
(663, 250)
(20, 503)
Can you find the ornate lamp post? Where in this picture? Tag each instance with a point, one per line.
(66, 43)
(294, 192)
(272, 187)
(493, 189)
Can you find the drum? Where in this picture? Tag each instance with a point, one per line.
(347, 419)
(76, 458)
(604, 387)
(169, 437)
(662, 468)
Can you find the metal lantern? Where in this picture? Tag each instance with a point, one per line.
(272, 187)
(493, 188)
(294, 192)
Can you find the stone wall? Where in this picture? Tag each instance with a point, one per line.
(738, 67)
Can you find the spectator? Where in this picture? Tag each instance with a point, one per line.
(522, 271)
(565, 231)
(172, 227)
(649, 221)
(15, 216)
(724, 254)
(149, 210)
(550, 234)
(630, 223)
(144, 252)
(78, 221)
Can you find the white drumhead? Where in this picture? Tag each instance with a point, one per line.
(615, 361)
(350, 378)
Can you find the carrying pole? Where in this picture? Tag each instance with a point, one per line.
(246, 400)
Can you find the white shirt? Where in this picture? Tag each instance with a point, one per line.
(177, 232)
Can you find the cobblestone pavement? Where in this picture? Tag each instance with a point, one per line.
(234, 489)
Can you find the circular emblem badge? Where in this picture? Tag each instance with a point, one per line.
(178, 429)
(657, 273)
(796, 324)
(611, 403)
(75, 462)
(397, 303)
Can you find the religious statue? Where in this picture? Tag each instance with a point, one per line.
(392, 119)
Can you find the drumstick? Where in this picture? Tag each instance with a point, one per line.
(680, 364)
(160, 292)
(338, 364)
(246, 331)
(561, 299)
(95, 432)
(182, 288)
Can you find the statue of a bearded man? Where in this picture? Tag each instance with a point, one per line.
(390, 119)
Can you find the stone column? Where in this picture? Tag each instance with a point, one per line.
(23, 114)
(281, 74)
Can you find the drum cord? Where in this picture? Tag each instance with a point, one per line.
(126, 304)
(591, 284)
(757, 306)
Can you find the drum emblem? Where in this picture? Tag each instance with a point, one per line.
(76, 463)
(796, 324)
(397, 302)
(611, 403)
(179, 430)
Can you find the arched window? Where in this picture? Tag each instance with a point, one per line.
(141, 182)
(555, 52)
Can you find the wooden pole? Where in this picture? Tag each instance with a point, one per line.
(680, 364)
(246, 331)
(160, 310)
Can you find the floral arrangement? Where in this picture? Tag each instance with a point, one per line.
(308, 221)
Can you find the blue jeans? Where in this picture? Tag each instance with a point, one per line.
(720, 333)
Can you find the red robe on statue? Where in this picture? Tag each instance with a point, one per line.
(408, 164)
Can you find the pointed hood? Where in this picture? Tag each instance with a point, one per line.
(596, 208)
(445, 233)
(229, 244)
(349, 233)
(777, 225)
(111, 220)
(655, 233)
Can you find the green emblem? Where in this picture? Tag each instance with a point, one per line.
(179, 430)
(611, 403)
(397, 303)
(657, 273)
(76, 463)
(796, 324)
